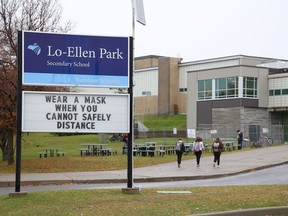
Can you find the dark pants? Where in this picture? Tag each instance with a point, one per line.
(198, 156)
(179, 156)
(239, 144)
(217, 157)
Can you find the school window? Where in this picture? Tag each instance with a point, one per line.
(183, 90)
(250, 87)
(146, 93)
(226, 87)
(284, 91)
(271, 92)
(204, 89)
(278, 92)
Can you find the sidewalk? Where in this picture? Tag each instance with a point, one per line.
(232, 163)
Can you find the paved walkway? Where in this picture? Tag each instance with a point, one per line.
(232, 163)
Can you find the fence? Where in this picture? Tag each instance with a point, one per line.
(250, 132)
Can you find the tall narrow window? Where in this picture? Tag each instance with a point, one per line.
(232, 87)
(221, 88)
(250, 88)
(204, 89)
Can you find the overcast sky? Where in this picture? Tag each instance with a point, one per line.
(190, 29)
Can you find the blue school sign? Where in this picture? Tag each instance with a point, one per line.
(75, 60)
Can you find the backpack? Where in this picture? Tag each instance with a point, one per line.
(183, 147)
(216, 147)
(197, 146)
(180, 146)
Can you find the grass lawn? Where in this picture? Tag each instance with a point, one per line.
(72, 161)
(148, 202)
(34, 143)
(164, 122)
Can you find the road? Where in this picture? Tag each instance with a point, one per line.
(274, 175)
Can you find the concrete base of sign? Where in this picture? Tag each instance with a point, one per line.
(18, 194)
(135, 190)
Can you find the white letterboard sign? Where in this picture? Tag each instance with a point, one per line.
(74, 112)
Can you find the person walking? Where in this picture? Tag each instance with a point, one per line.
(125, 143)
(239, 139)
(197, 149)
(217, 148)
(180, 149)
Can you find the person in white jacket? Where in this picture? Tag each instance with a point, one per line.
(197, 149)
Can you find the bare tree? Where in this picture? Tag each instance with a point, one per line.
(16, 15)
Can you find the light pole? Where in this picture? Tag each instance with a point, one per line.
(137, 5)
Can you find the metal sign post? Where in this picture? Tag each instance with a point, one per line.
(19, 115)
(130, 135)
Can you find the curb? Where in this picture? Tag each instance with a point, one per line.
(267, 211)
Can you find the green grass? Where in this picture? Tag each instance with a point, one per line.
(163, 122)
(72, 161)
(147, 202)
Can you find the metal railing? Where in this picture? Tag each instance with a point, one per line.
(251, 133)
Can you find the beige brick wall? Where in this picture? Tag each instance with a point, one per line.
(146, 62)
(168, 98)
(146, 105)
(182, 102)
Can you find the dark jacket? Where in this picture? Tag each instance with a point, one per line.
(217, 149)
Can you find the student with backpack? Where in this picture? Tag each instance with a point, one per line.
(239, 139)
(197, 149)
(217, 148)
(180, 149)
